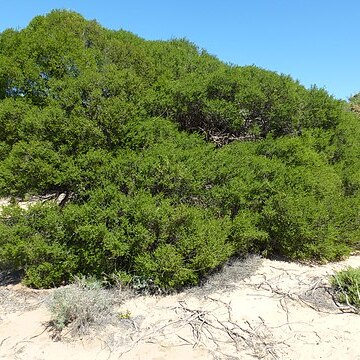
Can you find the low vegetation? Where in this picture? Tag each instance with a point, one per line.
(170, 161)
(346, 284)
(82, 306)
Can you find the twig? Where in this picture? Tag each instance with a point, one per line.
(47, 325)
(2, 342)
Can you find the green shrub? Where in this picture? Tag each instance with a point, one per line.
(346, 284)
(144, 139)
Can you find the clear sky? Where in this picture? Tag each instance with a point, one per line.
(314, 41)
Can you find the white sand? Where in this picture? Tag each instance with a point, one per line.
(282, 311)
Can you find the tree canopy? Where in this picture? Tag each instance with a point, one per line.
(171, 161)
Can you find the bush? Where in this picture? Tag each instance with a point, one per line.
(83, 305)
(346, 284)
(33, 240)
(140, 136)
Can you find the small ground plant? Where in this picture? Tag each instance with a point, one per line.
(83, 305)
(347, 286)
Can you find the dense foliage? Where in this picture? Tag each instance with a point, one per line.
(171, 161)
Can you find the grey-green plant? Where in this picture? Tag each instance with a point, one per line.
(81, 306)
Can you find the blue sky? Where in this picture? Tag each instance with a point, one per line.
(316, 42)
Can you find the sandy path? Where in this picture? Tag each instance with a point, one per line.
(282, 311)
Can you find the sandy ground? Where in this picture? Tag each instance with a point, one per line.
(257, 309)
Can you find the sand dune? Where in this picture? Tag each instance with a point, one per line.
(282, 311)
